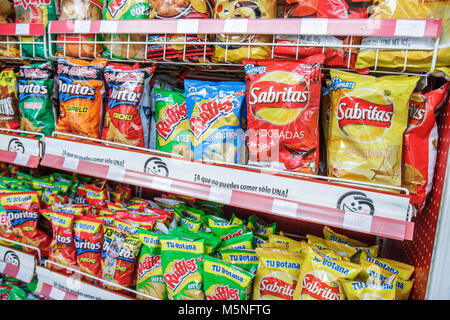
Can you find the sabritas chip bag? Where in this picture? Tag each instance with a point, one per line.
(368, 116)
(359, 290)
(224, 281)
(401, 269)
(418, 60)
(319, 277)
(182, 263)
(9, 107)
(173, 133)
(149, 272)
(80, 85)
(214, 111)
(420, 143)
(283, 101)
(277, 274)
(35, 91)
(126, 120)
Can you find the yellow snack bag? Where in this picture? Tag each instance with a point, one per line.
(359, 290)
(402, 270)
(277, 274)
(344, 251)
(417, 60)
(319, 277)
(368, 116)
(274, 245)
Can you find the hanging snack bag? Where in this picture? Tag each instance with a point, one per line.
(119, 257)
(214, 111)
(125, 119)
(277, 274)
(319, 277)
(80, 85)
(35, 103)
(35, 12)
(259, 9)
(125, 10)
(9, 106)
(368, 116)
(88, 239)
(420, 143)
(173, 133)
(81, 46)
(182, 263)
(194, 51)
(283, 101)
(150, 279)
(224, 281)
(334, 56)
(387, 54)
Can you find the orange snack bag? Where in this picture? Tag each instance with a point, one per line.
(80, 90)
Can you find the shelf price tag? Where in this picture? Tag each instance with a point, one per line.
(409, 28)
(220, 195)
(315, 26)
(21, 159)
(187, 26)
(115, 174)
(161, 184)
(22, 28)
(70, 163)
(108, 26)
(357, 221)
(235, 26)
(285, 208)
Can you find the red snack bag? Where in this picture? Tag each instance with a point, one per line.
(420, 143)
(127, 119)
(96, 196)
(88, 239)
(62, 247)
(283, 100)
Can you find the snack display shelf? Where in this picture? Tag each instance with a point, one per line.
(385, 214)
(14, 36)
(21, 147)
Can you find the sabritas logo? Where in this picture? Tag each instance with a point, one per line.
(181, 269)
(26, 3)
(148, 264)
(352, 110)
(265, 94)
(416, 112)
(173, 116)
(316, 288)
(210, 110)
(276, 287)
(115, 6)
(224, 293)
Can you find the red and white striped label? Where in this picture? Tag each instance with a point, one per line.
(22, 29)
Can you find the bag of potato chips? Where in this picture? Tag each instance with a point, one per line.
(182, 263)
(224, 281)
(259, 9)
(80, 85)
(126, 120)
(283, 101)
(277, 274)
(173, 133)
(9, 106)
(214, 111)
(420, 143)
(359, 290)
(368, 116)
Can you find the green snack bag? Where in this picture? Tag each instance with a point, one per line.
(225, 281)
(173, 132)
(24, 176)
(189, 212)
(211, 242)
(234, 221)
(193, 225)
(242, 242)
(228, 231)
(12, 292)
(245, 259)
(149, 271)
(35, 103)
(182, 263)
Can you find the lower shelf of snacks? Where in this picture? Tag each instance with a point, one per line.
(98, 239)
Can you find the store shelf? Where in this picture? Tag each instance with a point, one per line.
(22, 29)
(24, 150)
(293, 196)
(17, 264)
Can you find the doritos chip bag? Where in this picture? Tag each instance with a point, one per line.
(214, 111)
(258, 9)
(35, 103)
(149, 272)
(319, 277)
(125, 118)
(420, 143)
(225, 281)
(9, 106)
(80, 85)
(368, 116)
(88, 239)
(173, 133)
(182, 262)
(277, 274)
(283, 101)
